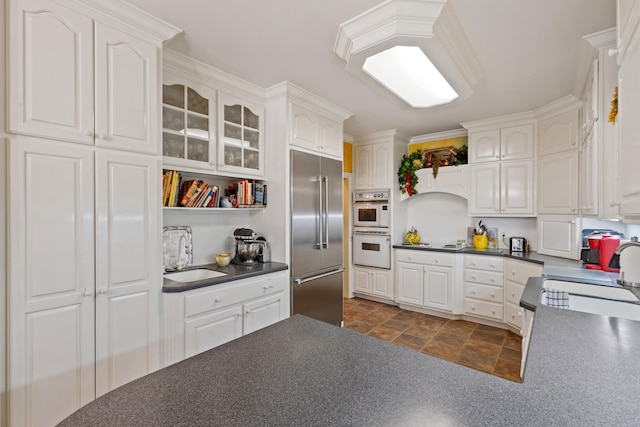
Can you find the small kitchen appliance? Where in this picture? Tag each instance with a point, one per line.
(517, 244)
(592, 246)
(264, 252)
(246, 250)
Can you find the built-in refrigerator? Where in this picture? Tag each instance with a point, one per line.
(316, 237)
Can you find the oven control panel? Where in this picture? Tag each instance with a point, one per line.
(371, 196)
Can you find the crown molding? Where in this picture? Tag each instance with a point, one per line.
(289, 91)
(127, 14)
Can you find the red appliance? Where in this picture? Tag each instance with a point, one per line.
(608, 246)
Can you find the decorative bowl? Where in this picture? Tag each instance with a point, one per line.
(223, 259)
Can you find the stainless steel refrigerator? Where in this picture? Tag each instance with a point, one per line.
(316, 237)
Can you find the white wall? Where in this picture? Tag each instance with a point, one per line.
(212, 231)
(444, 218)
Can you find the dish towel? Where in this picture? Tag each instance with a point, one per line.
(559, 299)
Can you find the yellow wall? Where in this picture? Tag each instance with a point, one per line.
(347, 158)
(431, 145)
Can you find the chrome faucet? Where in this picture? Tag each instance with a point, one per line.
(615, 263)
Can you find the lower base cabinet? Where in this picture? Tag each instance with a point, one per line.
(374, 282)
(426, 279)
(516, 275)
(199, 320)
(484, 287)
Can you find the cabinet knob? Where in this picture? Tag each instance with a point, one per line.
(473, 264)
(89, 132)
(267, 287)
(102, 136)
(503, 156)
(102, 291)
(573, 142)
(513, 272)
(497, 157)
(497, 210)
(473, 277)
(217, 299)
(87, 292)
(473, 292)
(437, 261)
(492, 280)
(493, 295)
(493, 312)
(493, 266)
(513, 316)
(473, 308)
(248, 312)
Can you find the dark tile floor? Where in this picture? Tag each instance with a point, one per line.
(485, 348)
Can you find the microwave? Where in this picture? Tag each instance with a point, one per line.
(371, 214)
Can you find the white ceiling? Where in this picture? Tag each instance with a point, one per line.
(529, 52)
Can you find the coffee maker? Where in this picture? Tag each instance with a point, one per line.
(593, 252)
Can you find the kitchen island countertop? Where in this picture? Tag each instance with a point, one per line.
(582, 369)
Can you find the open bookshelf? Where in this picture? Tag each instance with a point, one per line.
(183, 190)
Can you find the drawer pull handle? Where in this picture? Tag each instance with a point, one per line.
(217, 299)
(267, 287)
(493, 266)
(473, 264)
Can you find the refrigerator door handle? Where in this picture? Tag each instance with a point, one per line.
(300, 281)
(325, 214)
(319, 217)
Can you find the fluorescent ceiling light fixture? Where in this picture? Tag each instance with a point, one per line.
(409, 74)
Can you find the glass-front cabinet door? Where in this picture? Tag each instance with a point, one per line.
(188, 134)
(240, 146)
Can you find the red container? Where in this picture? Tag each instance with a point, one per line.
(608, 246)
(594, 241)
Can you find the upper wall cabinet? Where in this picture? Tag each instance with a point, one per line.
(188, 124)
(315, 132)
(510, 143)
(559, 133)
(240, 136)
(629, 125)
(79, 80)
(372, 166)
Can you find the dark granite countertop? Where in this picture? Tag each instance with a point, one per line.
(525, 256)
(233, 272)
(582, 370)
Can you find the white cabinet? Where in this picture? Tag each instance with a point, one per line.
(516, 274)
(188, 123)
(374, 282)
(372, 166)
(201, 319)
(451, 180)
(502, 188)
(559, 236)
(526, 338)
(83, 288)
(629, 125)
(558, 184)
(509, 143)
(101, 88)
(240, 136)
(426, 279)
(502, 167)
(484, 287)
(315, 132)
(558, 133)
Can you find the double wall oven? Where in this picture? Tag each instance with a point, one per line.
(371, 237)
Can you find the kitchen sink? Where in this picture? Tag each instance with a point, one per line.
(194, 275)
(591, 298)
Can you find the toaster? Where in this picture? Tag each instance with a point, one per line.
(517, 244)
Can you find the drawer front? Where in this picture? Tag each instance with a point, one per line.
(514, 315)
(483, 308)
(480, 262)
(483, 292)
(233, 293)
(520, 271)
(426, 257)
(513, 292)
(485, 277)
